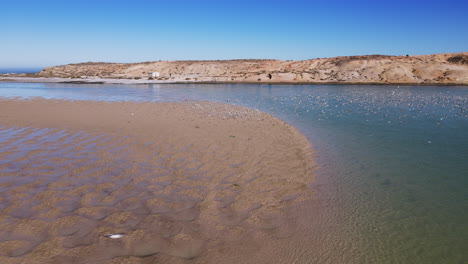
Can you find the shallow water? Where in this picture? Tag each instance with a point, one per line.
(64, 192)
(394, 160)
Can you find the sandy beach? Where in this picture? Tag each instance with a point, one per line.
(191, 181)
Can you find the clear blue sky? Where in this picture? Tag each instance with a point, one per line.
(46, 32)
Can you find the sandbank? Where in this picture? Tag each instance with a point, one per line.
(99, 80)
(192, 180)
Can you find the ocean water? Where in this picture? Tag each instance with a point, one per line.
(19, 70)
(393, 160)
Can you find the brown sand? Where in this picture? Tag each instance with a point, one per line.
(193, 181)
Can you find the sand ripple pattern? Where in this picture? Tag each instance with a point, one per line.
(62, 191)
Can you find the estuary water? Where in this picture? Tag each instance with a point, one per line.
(392, 182)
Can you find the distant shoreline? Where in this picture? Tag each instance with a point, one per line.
(435, 69)
(146, 82)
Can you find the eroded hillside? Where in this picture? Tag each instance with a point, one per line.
(438, 68)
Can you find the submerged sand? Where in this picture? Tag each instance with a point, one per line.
(192, 181)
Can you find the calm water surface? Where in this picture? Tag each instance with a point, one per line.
(393, 178)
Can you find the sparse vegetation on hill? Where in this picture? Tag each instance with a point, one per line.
(459, 59)
(437, 68)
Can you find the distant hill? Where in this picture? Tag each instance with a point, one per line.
(449, 68)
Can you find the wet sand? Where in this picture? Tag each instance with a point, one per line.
(182, 182)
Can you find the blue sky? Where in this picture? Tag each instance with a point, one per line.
(44, 33)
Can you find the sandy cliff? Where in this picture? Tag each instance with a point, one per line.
(449, 68)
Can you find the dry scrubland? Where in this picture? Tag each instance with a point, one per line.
(431, 69)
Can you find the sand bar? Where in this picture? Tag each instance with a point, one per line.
(194, 180)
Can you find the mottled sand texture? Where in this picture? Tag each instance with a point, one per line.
(183, 182)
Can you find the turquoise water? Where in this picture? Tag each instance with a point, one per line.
(393, 179)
